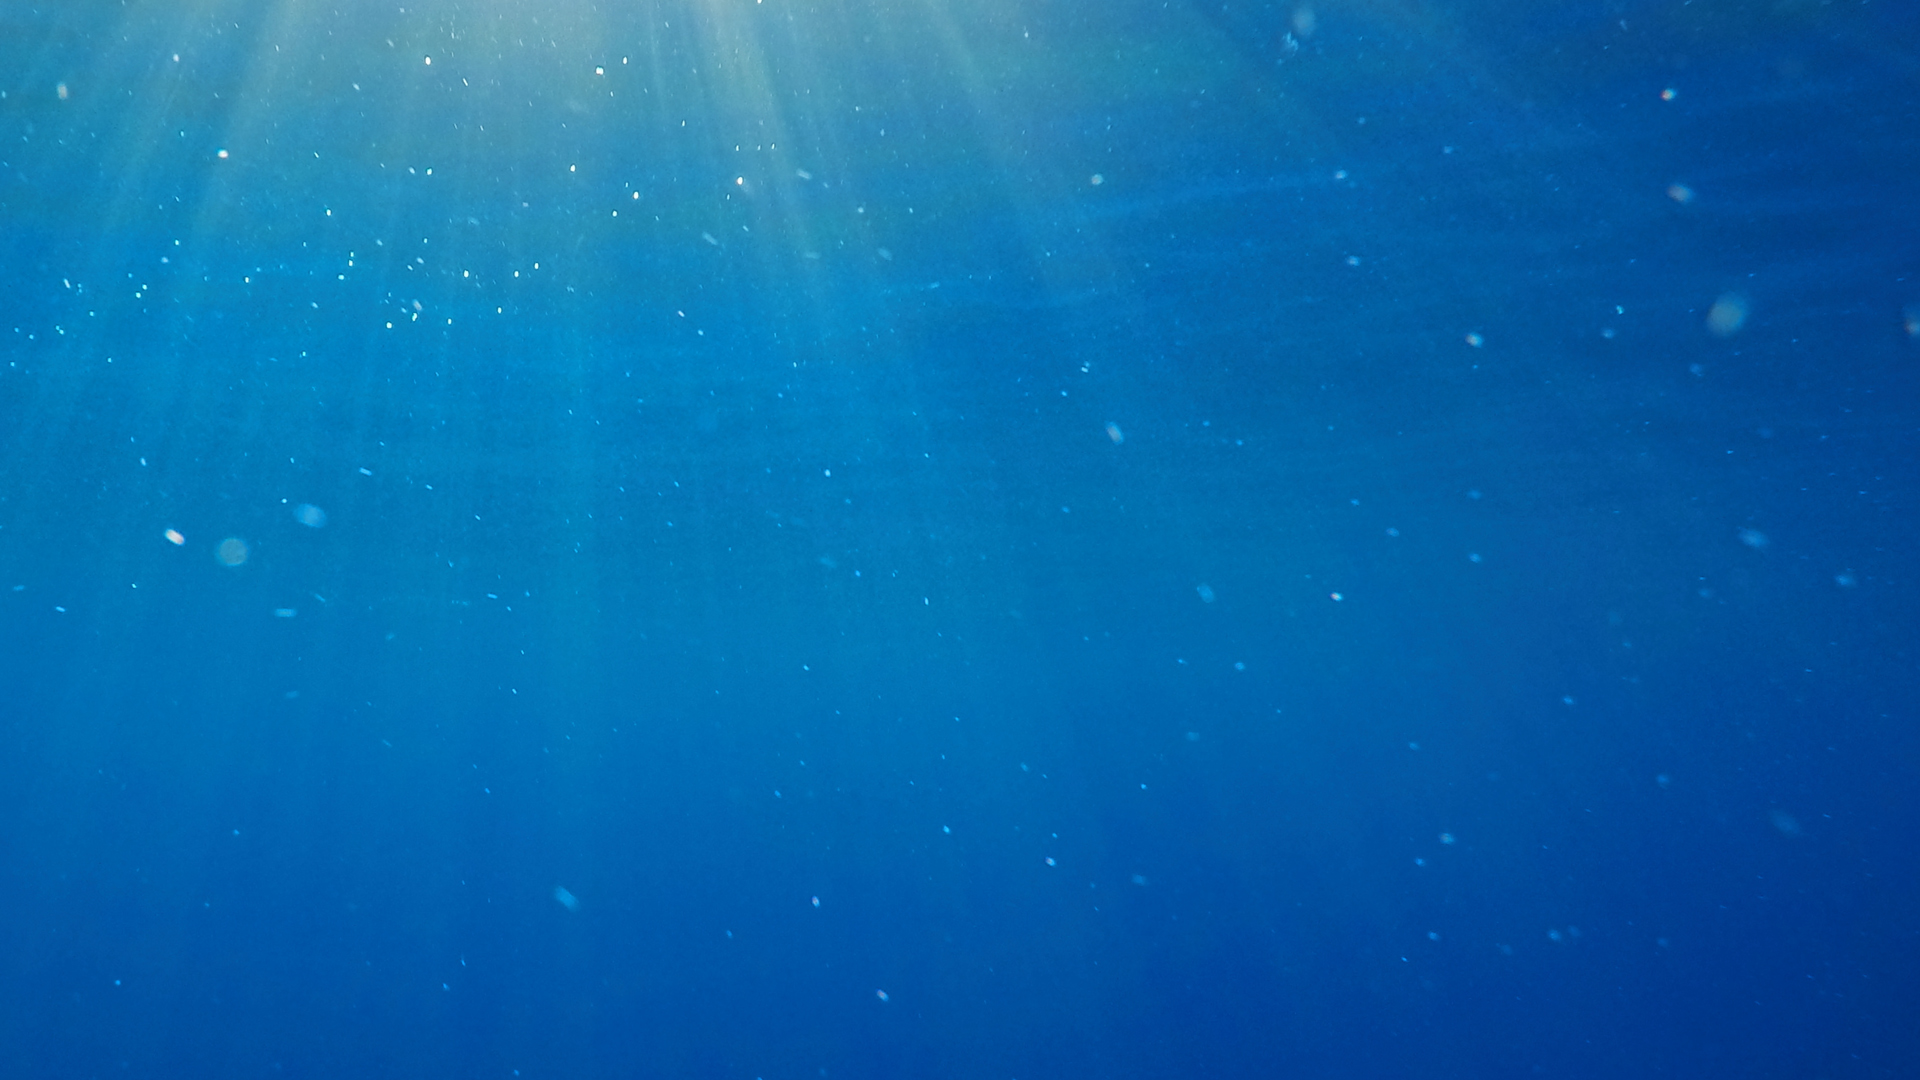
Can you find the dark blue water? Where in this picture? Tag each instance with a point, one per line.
(1005, 540)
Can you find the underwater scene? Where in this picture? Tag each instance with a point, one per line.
(1000, 539)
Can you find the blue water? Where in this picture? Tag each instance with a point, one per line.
(789, 539)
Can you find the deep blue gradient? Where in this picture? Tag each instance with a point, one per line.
(994, 540)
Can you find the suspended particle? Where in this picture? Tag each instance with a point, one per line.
(1728, 315)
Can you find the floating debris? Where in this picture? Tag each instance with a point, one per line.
(1728, 315)
(231, 552)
